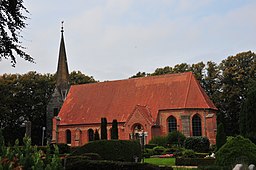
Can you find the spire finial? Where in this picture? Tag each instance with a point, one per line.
(62, 23)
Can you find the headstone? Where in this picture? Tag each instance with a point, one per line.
(252, 167)
(238, 167)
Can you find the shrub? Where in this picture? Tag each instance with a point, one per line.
(159, 140)
(103, 165)
(197, 144)
(114, 131)
(103, 128)
(220, 137)
(188, 154)
(236, 150)
(175, 138)
(116, 150)
(63, 148)
(158, 150)
(150, 146)
(194, 161)
(148, 152)
(92, 156)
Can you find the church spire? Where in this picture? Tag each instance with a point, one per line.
(62, 82)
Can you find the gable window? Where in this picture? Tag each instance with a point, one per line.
(68, 136)
(172, 124)
(90, 135)
(196, 125)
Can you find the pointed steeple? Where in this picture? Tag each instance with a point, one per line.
(62, 82)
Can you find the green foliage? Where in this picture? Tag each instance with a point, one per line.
(103, 128)
(175, 138)
(197, 144)
(188, 153)
(159, 140)
(194, 161)
(247, 114)
(28, 157)
(116, 150)
(12, 23)
(77, 77)
(158, 150)
(96, 135)
(102, 165)
(236, 150)
(62, 147)
(114, 130)
(220, 137)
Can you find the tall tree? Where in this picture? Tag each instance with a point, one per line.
(248, 114)
(103, 128)
(114, 131)
(12, 22)
(237, 72)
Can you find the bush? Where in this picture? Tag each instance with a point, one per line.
(150, 146)
(197, 144)
(63, 148)
(188, 154)
(194, 161)
(116, 150)
(236, 150)
(103, 165)
(159, 141)
(148, 152)
(221, 138)
(158, 150)
(213, 167)
(175, 138)
(92, 156)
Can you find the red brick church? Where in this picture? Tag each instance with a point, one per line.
(154, 106)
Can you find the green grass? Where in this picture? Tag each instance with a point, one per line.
(165, 162)
(160, 161)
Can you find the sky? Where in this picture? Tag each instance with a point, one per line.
(115, 39)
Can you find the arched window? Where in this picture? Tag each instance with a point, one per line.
(172, 124)
(68, 136)
(90, 135)
(196, 125)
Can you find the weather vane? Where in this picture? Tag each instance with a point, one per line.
(62, 23)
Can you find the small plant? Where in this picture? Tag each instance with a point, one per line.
(158, 150)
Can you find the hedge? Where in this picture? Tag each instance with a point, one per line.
(110, 165)
(194, 161)
(116, 150)
(197, 144)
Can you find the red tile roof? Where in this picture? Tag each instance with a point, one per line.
(87, 103)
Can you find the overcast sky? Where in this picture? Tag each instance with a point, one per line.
(114, 39)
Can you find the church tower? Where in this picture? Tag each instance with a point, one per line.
(61, 88)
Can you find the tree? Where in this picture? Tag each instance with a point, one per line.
(221, 138)
(103, 128)
(77, 77)
(139, 74)
(12, 22)
(96, 135)
(114, 131)
(248, 114)
(237, 72)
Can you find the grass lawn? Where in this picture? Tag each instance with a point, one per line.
(160, 161)
(165, 162)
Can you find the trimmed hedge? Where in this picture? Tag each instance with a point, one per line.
(105, 165)
(197, 144)
(194, 161)
(236, 150)
(63, 148)
(116, 150)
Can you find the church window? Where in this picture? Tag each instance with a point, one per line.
(172, 124)
(55, 111)
(68, 136)
(90, 135)
(196, 125)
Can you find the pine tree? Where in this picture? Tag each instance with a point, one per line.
(114, 131)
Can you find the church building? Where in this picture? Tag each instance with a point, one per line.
(148, 106)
